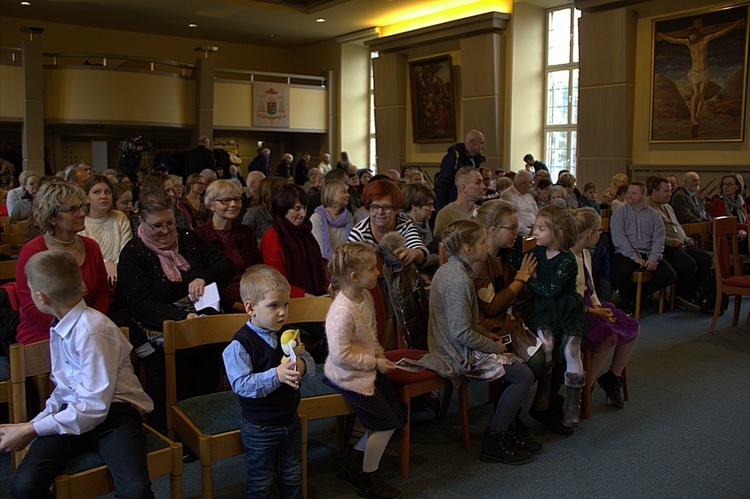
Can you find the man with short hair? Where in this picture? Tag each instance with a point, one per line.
(77, 175)
(692, 264)
(325, 163)
(638, 236)
(470, 191)
(490, 193)
(261, 162)
(533, 164)
(303, 166)
(686, 203)
(86, 166)
(209, 176)
(672, 179)
(466, 153)
(518, 194)
(200, 157)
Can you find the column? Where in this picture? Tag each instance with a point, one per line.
(32, 138)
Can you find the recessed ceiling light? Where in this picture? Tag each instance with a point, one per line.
(273, 36)
(27, 4)
(320, 20)
(192, 25)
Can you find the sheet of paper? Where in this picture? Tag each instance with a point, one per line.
(210, 298)
(293, 357)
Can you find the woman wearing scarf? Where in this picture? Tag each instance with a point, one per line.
(289, 245)
(731, 203)
(161, 266)
(237, 241)
(332, 222)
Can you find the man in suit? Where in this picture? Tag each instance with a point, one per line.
(200, 157)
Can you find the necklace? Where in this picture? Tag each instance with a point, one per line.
(63, 243)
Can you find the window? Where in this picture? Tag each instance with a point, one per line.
(561, 104)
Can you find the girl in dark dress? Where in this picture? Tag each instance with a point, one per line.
(557, 310)
(608, 328)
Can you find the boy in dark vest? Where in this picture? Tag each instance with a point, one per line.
(267, 388)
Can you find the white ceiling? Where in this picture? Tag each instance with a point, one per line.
(239, 21)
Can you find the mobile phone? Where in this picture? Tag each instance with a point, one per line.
(506, 340)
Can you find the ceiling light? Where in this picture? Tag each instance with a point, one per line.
(27, 4)
(273, 36)
(320, 20)
(192, 25)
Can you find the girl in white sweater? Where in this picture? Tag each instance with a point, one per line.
(110, 228)
(356, 365)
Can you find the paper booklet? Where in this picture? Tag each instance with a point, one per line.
(410, 365)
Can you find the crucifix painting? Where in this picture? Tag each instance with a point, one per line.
(699, 77)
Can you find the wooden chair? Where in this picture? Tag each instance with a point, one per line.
(409, 385)
(605, 224)
(529, 243)
(606, 213)
(640, 276)
(15, 240)
(586, 394)
(8, 270)
(700, 231)
(19, 226)
(86, 476)
(729, 278)
(209, 425)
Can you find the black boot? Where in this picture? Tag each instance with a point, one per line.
(522, 438)
(551, 420)
(573, 383)
(370, 485)
(611, 384)
(543, 390)
(498, 447)
(350, 461)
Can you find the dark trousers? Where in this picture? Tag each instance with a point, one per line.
(663, 276)
(120, 442)
(692, 266)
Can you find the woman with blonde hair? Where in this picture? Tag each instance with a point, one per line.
(235, 240)
(331, 221)
(610, 193)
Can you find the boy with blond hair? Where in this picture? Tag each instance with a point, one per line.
(267, 388)
(97, 402)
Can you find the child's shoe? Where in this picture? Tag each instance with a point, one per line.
(573, 383)
(522, 438)
(350, 461)
(611, 384)
(370, 485)
(498, 447)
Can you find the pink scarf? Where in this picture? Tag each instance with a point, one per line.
(171, 261)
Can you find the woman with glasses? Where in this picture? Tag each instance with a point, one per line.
(160, 182)
(383, 200)
(289, 245)
(500, 288)
(731, 203)
(60, 209)
(105, 225)
(19, 199)
(235, 240)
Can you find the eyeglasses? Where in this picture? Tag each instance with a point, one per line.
(228, 201)
(74, 208)
(374, 208)
(728, 184)
(160, 228)
(512, 228)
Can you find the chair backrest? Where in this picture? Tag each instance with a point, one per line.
(442, 256)
(13, 238)
(19, 227)
(605, 224)
(8, 270)
(725, 244)
(313, 309)
(528, 244)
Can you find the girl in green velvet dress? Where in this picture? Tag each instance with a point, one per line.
(557, 310)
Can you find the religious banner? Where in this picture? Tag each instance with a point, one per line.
(271, 105)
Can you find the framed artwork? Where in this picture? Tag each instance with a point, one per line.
(699, 76)
(433, 110)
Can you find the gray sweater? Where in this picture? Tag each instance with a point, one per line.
(454, 331)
